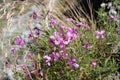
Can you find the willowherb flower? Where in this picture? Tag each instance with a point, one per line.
(79, 24)
(87, 45)
(53, 22)
(69, 19)
(19, 41)
(61, 27)
(72, 33)
(30, 36)
(83, 25)
(29, 56)
(65, 55)
(54, 37)
(93, 63)
(61, 42)
(55, 56)
(72, 63)
(22, 66)
(47, 60)
(100, 34)
(35, 15)
(13, 50)
(112, 17)
(37, 32)
(58, 40)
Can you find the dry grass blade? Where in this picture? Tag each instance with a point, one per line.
(62, 9)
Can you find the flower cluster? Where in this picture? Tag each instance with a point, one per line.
(58, 40)
(62, 47)
(72, 33)
(56, 56)
(20, 41)
(62, 38)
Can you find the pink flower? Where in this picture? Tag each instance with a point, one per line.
(37, 32)
(54, 37)
(69, 19)
(22, 66)
(53, 22)
(55, 56)
(58, 40)
(79, 24)
(100, 34)
(61, 42)
(65, 55)
(35, 15)
(13, 50)
(29, 56)
(72, 33)
(93, 63)
(61, 27)
(112, 17)
(30, 36)
(72, 63)
(75, 65)
(19, 41)
(83, 25)
(87, 45)
(47, 60)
